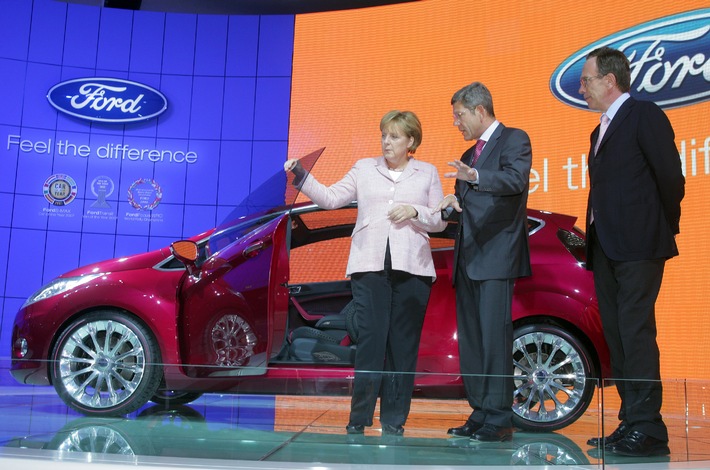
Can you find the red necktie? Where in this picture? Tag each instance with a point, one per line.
(477, 151)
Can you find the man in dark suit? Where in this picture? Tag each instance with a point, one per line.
(633, 215)
(491, 251)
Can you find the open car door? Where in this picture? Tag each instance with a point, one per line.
(233, 300)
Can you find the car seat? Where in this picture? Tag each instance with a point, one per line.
(331, 340)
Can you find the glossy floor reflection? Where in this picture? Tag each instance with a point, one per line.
(308, 432)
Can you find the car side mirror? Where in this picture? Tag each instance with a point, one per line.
(186, 252)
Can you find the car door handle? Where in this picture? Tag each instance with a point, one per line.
(253, 249)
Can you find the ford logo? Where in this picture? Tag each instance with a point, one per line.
(669, 58)
(107, 100)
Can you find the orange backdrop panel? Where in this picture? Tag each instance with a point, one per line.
(350, 67)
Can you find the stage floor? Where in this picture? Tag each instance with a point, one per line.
(218, 431)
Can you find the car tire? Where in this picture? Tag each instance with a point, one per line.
(168, 398)
(552, 378)
(106, 363)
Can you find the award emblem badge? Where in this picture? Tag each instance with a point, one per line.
(102, 187)
(59, 189)
(145, 194)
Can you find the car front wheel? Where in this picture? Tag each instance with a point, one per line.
(552, 377)
(106, 363)
(168, 398)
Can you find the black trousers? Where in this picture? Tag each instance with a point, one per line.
(390, 313)
(485, 335)
(627, 293)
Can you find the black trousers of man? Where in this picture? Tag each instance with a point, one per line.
(627, 293)
(485, 334)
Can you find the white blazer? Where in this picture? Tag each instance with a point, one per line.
(370, 183)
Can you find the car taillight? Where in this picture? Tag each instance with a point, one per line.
(574, 243)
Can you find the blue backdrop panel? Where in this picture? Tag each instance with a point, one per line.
(179, 52)
(114, 33)
(74, 191)
(12, 76)
(81, 36)
(25, 266)
(147, 42)
(211, 45)
(60, 252)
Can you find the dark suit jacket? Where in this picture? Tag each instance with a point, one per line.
(493, 228)
(636, 185)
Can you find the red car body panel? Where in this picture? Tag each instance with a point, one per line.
(249, 278)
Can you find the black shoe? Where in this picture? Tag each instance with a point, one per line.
(355, 428)
(638, 444)
(612, 438)
(466, 430)
(492, 433)
(392, 430)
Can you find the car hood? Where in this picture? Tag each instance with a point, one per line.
(133, 262)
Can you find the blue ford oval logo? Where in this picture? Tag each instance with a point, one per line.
(669, 58)
(107, 100)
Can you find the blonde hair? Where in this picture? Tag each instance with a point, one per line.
(406, 122)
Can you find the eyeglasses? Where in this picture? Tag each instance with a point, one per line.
(457, 117)
(584, 81)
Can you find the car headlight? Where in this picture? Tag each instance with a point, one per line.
(58, 286)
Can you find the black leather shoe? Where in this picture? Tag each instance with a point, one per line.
(638, 444)
(355, 428)
(492, 433)
(466, 430)
(611, 439)
(392, 430)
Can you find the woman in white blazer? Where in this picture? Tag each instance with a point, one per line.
(390, 265)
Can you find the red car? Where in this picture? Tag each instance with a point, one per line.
(261, 305)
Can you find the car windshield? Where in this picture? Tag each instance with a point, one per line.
(272, 198)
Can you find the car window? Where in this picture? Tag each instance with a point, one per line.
(322, 261)
(332, 218)
(227, 235)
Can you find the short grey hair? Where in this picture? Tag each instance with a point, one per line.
(474, 95)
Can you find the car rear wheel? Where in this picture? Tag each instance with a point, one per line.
(552, 376)
(106, 363)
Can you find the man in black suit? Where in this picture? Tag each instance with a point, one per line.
(491, 251)
(633, 215)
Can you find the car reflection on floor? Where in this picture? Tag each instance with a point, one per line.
(184, 432)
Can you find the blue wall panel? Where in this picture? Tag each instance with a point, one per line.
(234, 172)
(207, 103)
(47, 32)
(61, 253)
(271, 112)
(211, 47)
(15, 31)
(179, 46)
(147, 42)
(114, 39)
(81, 36)
(134, 186)
(39, 78)
(276, 46)
(4, 244)
(243, 46)
(9, 157)
(25, 264)
(238, 112)
(175, 121)
(12, 76)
